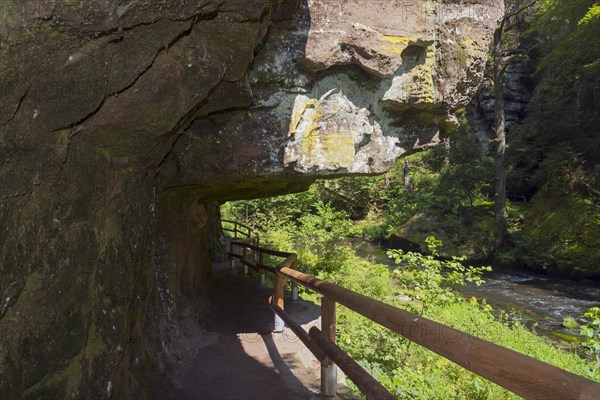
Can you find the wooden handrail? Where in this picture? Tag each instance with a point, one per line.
(514, 371)
(298, 330)
(521, 374)
(263, 250)
(237, 223)
(365, 382)
(235, 230)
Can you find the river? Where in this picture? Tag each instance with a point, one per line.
(529, 296)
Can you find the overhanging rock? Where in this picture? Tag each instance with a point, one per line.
(123, 122)
(341, 88)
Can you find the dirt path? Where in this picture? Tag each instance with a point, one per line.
(239, 357)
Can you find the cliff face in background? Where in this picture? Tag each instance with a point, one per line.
(552, 98)
(123, 122)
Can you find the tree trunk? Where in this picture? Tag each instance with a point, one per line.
(499, 68)
(447, 148)
(500, 195)
(406, 172)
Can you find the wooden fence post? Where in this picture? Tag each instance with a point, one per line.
(294, 291)
(294, 284)
(231, 258)
(328, 327)
(261, 261)
(278, 300)
(245, 259)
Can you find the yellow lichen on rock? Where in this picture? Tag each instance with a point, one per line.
(396, 39)
(324, 133)
(393, 45)
(333, 149)
(300, 106)
(416, 85)
(425, 71)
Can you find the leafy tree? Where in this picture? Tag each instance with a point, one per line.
(467, 175)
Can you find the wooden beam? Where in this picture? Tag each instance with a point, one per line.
(262, 249)
(521, 374)
(298, 330)
(365, 382)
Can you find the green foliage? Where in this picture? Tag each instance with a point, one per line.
(565, 166)
(302, 223)
(560, 231)
(317, 238)
(430, 280)
(466, 170)
(591, 332)
(591, 16)
(561, 234)
(563, 112)
(566, 28)
(421, 284)
(570, 323)
(449, 181)
(552, 154)
(400, 203)
(272, 211)
(357, 196)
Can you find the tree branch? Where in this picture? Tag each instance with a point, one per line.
(516, 12)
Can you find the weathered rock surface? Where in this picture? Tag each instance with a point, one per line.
(518, 90)
(122, 122)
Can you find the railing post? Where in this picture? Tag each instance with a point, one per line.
(279, 325)
(294, 291)
(261, 279)
(244, 260)
(235, 229)
(261, 261)
(294, 284)
(328, 327)
(231, 258)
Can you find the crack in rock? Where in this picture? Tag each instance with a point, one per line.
(17, 108)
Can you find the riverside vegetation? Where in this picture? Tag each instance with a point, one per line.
(422, 283)
(441, 200)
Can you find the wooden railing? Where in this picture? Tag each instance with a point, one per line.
(521, 374)
(236, 228)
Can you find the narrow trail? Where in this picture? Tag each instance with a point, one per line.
(241, 358)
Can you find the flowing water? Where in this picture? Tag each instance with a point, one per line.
(532, 297)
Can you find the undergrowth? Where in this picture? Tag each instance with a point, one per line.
(421, 284)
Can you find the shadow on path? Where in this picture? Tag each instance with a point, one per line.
(238, 357)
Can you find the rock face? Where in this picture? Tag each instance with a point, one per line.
(517, 94)
(122, 123)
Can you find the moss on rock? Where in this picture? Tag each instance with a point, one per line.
(562, 234)
(471, 232)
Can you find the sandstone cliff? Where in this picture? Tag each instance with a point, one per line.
(122, 122)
